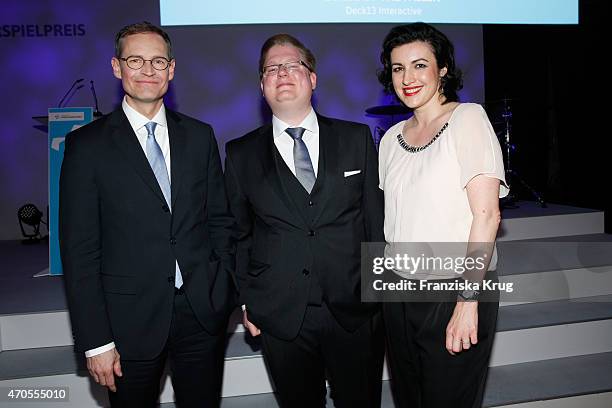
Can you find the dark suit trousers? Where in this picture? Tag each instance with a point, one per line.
(423, 373)
(352, 363)
(196, 365)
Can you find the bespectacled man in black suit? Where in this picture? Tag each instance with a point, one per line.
(304, 193)
(146, 237)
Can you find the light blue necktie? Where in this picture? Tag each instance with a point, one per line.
(158, 165)
(303, 166)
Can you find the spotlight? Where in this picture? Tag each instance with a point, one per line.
(30, 219)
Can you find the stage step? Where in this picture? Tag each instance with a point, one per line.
(551, 383)
(549, 330)
(580, 381)
(534, 315)
(570, 382)
(50, 329)
(554, 253)
(532, 221)
(556, 268)
(550, 379)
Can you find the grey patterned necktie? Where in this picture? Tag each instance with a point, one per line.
(157, 162)
(158, 165)
(303, 166)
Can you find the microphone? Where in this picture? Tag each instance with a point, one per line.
(97, 112)
(72, 94)
(59, 105)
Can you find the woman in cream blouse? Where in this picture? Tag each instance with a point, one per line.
(442, 174)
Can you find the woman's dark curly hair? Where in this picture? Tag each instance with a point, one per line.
(441, 46)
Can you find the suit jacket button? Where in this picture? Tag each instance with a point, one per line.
(173, 241)
(310, 203)
(311, 233)
(165, 208)
(305, 272)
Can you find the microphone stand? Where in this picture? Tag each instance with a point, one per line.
(59, 105)
(97, 112)
(513, 175)
(71, 95)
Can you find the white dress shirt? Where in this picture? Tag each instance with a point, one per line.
(284, 142)
(138, 122)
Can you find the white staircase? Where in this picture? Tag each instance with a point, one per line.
(553, 346)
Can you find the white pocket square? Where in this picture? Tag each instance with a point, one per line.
(351, 173)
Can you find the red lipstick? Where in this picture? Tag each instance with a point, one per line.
(411, 90)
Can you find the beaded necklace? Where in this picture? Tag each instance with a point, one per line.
(416, 149)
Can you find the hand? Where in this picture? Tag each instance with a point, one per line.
(250, 326)
(103, 368)
(462, 329)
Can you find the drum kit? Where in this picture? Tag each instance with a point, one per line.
(390, 111)
(502, 124)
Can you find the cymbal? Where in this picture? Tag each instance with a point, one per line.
(383, 110)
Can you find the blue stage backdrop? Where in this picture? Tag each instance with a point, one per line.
(45, 46)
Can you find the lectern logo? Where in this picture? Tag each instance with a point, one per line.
(66, 116)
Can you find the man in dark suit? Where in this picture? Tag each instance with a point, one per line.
(304, 193)
(145, 237)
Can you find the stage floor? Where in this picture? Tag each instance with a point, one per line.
(20, 292)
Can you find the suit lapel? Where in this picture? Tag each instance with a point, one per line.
(124, 138)
(328, 165)
(178, 141)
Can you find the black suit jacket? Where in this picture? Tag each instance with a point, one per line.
(119, 240)
(278, 247)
